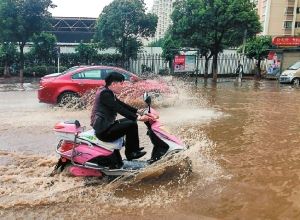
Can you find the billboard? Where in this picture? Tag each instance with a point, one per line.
(273, 63)
(184, 63)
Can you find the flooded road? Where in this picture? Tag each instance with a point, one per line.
(244, 147)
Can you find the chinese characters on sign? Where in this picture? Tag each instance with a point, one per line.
(286, 41)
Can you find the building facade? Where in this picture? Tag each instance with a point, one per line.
(279, 17)
(163, 9)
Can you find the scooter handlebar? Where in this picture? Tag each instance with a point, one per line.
(153, 117)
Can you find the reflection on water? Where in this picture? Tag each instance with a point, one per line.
(258, 144)
(243, 139)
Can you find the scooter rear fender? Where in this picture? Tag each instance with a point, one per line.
(83, 153)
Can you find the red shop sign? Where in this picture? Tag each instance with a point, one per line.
(179, 60)
(286, 41)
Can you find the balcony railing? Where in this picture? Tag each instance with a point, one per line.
(289, 17)
(290, 3)
(287, 31)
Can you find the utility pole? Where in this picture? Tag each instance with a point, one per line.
(58, 57)
(244, 60)
(197, 67)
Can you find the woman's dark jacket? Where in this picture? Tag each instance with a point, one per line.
(105, 110)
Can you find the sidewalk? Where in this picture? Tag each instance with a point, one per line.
(16, 79)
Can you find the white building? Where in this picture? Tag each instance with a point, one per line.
(163, 9)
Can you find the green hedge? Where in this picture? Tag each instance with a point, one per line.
(1, 71)
(73, 59)
(42, 70)
(33, 65)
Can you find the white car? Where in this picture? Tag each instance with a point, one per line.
(291, 75)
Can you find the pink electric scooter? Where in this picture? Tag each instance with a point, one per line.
(86, 155)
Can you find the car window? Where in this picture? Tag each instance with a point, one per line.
(69, 70)
(127, 76)
(295, 66)
(104, 74)
(88, 74)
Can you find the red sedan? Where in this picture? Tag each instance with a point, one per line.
(77, 81)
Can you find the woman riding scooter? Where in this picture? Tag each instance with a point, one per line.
(104, 113)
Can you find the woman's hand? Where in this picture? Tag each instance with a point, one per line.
(143, 118)
(141, 111)
(153, 117)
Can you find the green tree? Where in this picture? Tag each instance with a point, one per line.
(43, 48)
(87, 52)
(122, 24)
(20, 19)
(157, 43)
(170, 46)
(257, 48)
(8, 55)
(213, 25)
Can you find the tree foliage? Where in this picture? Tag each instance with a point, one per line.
(157, 43)
(170, 44)
(213, 25)
(20, 19)
(43, 48)
(122, 24)
(258, 48)
(87, 52)
(8, 54)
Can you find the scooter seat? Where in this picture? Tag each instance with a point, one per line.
(91, 137)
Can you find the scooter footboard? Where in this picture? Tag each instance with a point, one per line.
(160, 147)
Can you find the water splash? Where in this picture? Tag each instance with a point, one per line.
(26, 184)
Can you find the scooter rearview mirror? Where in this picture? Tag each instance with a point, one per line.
(147, 98)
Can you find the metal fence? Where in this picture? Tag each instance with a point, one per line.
(227, 64)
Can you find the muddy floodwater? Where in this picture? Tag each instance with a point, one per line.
(244, 143)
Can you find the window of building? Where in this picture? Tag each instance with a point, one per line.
(298, 10)
(289, 11)
(287, 24)
(297, 25)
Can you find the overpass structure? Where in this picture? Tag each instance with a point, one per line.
(73, 29)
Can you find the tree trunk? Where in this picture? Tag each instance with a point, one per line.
(123, 52)
(22, 63)
(6, 70)
(258, 74)
(215, 67)
(206, 67)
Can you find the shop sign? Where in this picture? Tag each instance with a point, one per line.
(286, 41)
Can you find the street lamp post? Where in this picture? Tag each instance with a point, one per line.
(57, 49)
(197, 67)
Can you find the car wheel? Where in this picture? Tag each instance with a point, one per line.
(296, 81)
(69, 100)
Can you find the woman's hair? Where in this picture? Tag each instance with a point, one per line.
(114, 77)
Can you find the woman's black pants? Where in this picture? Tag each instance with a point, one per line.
(122, 127)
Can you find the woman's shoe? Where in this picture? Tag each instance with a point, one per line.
(135, 155)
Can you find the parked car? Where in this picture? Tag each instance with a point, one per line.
(291, 74)
(61, 88)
